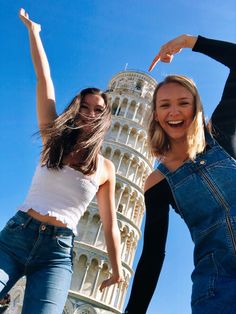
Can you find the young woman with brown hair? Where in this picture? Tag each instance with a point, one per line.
(38, 241)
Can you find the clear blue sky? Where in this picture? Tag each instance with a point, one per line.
(87, 42)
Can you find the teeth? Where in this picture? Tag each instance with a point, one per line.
(175, 122)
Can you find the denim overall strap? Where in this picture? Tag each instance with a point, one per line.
(162, 168)
(210, 139)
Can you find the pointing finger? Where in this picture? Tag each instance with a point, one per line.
(154, 62)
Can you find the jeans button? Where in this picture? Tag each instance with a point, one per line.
(202, 162)
(43, 227)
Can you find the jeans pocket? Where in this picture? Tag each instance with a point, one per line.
(14, 224)
(64, 242)
(203, 278)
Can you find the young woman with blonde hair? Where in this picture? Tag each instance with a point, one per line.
(38, 241)
(196, 175)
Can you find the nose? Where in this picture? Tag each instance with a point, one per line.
(174, 110)
(92, 113)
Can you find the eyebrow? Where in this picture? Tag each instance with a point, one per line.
(181, 98)
(95, 105)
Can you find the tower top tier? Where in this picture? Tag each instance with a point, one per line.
(135, 83)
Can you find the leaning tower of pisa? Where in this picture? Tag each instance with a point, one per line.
(130, 94)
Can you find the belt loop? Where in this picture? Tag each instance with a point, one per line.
(54, 231)
(28, 221)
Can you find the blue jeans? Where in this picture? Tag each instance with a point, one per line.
(42, 253)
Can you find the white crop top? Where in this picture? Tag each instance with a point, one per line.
(64, 193)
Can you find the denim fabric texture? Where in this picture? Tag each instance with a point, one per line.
(42, 253)
(205, 193)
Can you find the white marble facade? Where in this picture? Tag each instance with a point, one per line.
(130, 94)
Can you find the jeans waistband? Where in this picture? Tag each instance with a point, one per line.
(29, 222)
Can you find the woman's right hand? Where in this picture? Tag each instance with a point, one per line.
(24, 16)
(111, 281)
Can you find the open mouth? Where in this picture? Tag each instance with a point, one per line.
(175, 124)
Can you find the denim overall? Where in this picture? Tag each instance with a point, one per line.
(205, 194)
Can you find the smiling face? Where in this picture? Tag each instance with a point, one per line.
(174, 110)
(92, 105)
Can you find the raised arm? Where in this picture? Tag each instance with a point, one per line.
(45, 90)
(106, 204)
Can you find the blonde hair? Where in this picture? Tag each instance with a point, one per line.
(68, 134)
(158, 140)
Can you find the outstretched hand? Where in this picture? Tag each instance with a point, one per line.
(24, 16)
(172, 47)
(111, 281)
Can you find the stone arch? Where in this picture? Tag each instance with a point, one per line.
(123, 107)
(107, 152)
(139, 85)
(91, 276)
(83, 224)
(132, 137)
(130, 204)
(79, 268)
(85, 309)
(115, 106)
(142, 138)
(139, 174)
(136, 211)
(115, 130)
(125, 195)
(116, 158)
(124, 231)
(144, 176)
(131, 110)
(132, 170)
(124, 133)
(92, 229)
(140, 113)
(68, 308)
(129, 240)
(124, 164)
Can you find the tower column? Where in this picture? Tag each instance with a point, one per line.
(84, 277)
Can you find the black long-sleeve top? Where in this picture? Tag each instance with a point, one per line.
(159, 197)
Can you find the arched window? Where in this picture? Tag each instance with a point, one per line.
(139, 85)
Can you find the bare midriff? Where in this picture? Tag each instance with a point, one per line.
(45, 218)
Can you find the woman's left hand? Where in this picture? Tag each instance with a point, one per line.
(167, 51)
(110, 281)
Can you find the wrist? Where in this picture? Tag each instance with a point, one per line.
(190, 41)
(34, 29)
(117, 276)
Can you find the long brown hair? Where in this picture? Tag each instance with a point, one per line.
(68, 134)
(158, 140)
